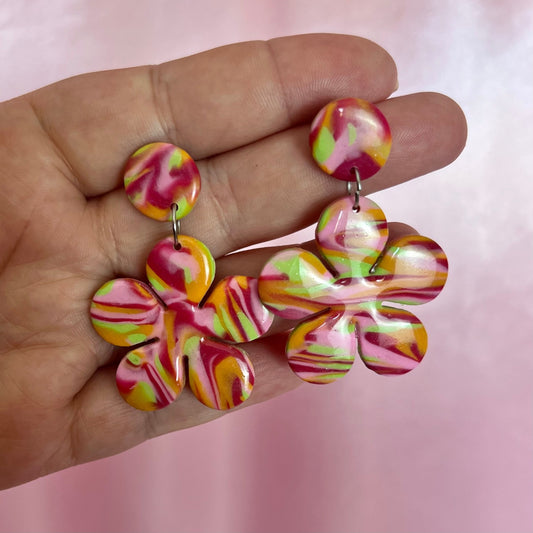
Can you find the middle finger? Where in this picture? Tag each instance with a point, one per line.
(272, 187)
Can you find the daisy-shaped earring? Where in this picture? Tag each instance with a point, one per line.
(173, 319)
(341, 296)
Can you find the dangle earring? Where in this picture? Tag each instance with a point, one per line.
(341, 295)
(174, 325)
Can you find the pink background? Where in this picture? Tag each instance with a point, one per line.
(446, 449)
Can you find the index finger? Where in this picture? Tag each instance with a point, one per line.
(207, 103)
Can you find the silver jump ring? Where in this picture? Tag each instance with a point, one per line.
(354, 188)
(176, 226)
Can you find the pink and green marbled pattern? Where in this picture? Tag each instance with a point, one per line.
(350, 134)
(158, 175)
(168, 321)
(341, 297)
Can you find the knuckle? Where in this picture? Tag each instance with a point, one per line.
(224, 201)
(162, 102)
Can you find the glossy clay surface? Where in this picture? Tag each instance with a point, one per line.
(461, 437)
(350, 134)
(127, 312)
(158, 175)
(344, 312)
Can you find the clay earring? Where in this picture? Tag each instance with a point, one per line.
(173, 323)
(341, 295)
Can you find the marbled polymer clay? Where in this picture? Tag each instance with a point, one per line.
(158, 175)
(342, 296)
(166, 324)
(350, 134)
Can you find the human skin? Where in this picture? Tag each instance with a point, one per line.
(243, 113)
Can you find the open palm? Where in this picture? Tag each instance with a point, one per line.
(242, 112)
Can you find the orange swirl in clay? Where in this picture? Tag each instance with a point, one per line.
(342, 296)
(348, 135)
(158, 175)
(166, 323)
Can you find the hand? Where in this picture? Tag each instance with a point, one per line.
(242, 112)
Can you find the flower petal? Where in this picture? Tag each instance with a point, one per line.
(220, 375)
(413, 270)
(391, 341)
(148, 378)
(182, 275)
(236, 310)
(351, 240)
(125, 312)
(322, 349)
(295, 284)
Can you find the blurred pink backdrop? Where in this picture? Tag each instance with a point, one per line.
(447, 449)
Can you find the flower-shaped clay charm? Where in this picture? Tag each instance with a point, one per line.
(342, 297)
(172, 322)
